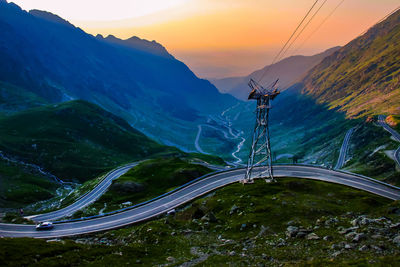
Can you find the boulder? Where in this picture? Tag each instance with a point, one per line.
(291, 231)
(234, 209)
(312, 236)
(396, 240)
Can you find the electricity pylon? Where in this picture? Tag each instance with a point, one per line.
(260, 152)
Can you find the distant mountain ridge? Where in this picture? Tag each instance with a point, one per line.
(363, 77)
(289, 71)
(136, 79)
(139, 44)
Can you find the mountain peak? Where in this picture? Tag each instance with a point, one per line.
(137, 43)
(49, 17)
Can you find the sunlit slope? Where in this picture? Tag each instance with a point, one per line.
(363, 77)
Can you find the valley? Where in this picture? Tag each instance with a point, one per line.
(135, 160)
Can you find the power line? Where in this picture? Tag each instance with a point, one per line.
(298, 34)
(287, 42)
(305, 26)
(319, 26)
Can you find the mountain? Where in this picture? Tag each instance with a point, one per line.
(139, 44)
(288, 70)
(75, 140)
(363, 77)
(135, 79)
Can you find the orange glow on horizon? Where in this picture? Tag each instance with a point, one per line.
(226, 37)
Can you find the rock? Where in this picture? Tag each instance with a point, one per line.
(232, 253)
(336, 253)
(376, 248)
(377, 236)
(170, 259)
(348, 230)
(335, 246)
(358, 237)
(301, 234)
(361, 220)
(347, 246)
(243, 226)
(350, 235)
(363, 248)
(291, 223)
(328, 238)
(331, 221)
(209, 217)
(281, 243)
(173, 233)
(395, 226)
(396, 240)
(262, 230)
(291, 231)
(312, 236)
(234, 209)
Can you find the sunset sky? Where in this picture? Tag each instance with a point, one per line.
(220, 38)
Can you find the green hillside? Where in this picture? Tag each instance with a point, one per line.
(21, 185)
(363, 77)
(75, 141)
(293, 222)
(13, 98)
(147, 180)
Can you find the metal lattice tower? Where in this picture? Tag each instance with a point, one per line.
(260, 153)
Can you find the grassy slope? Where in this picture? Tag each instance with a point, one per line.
(147, 180)
(21, 185)
(301, 126)
(74, 140)
(185, 237)
(13, 98)
(367, 151)
(363, 77)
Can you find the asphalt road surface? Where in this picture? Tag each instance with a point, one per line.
(194, 190)
(86, 199)
(396, 135)
(344, 149)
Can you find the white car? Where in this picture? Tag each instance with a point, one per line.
(171, 212)
(44, 226)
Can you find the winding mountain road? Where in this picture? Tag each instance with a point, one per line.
(394, 133)
(86, 199)
(343, 150)
(194, 190)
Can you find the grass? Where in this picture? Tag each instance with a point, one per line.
(21, 185)
(75, 141)
(147, 180)
(13, 99)
(367, 151)
(362, 78)
(266, 209)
